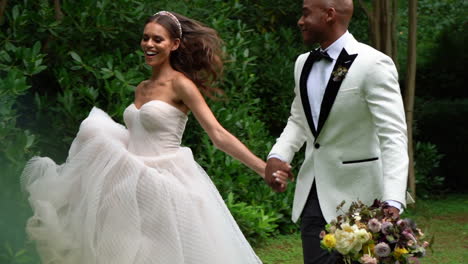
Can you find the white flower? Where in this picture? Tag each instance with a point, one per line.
(346, 239)
(357, 216)
(362, 236)
(347, 228)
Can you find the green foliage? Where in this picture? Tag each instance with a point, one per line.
(440, 111)
(257, 223)
(427, 160)
(443, 122)
(91, 57)
(434, 17)
(12, 256)
(444, 74)
(17, 66)
(242, 113)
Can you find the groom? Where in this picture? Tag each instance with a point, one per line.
(348, 109)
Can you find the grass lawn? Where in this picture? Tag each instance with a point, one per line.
(446, 219)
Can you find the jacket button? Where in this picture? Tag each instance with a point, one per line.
(317, 145)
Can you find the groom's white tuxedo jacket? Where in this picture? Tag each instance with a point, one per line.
(359, 148)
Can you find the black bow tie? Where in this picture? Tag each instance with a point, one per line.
(318, 55)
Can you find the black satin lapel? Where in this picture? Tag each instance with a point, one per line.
(344, 60)
(304, 95)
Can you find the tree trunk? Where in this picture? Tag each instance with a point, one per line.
(382, 26)
(3, 4)
(58, 10)
(410, 89)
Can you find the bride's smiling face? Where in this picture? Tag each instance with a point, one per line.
(157, 44)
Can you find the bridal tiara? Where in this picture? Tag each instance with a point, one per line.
(174, 18)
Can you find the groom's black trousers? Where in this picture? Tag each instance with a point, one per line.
(312, 223)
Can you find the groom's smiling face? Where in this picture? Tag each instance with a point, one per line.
(313, 22)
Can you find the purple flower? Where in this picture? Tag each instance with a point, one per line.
(382, 250)
(404, 223)
(366, 259)
(387, 228)
(322, 234)
(374, 225)
(409, 235)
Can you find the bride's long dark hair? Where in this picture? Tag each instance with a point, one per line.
(199, 55)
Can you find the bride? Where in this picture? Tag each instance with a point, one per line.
(133, 194)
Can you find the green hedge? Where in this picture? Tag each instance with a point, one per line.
(92, 57)
(444, 123)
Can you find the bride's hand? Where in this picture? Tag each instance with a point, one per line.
(282, 170)
(281, 178)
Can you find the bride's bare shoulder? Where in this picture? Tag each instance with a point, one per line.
(139, 89)
(142, 84)
(183, 84)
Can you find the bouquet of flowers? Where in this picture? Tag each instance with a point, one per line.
(367, 235)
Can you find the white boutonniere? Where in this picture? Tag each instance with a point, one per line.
(339, 73)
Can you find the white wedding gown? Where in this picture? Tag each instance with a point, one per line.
(130, 196)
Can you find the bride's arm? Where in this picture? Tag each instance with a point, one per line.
(221, 138)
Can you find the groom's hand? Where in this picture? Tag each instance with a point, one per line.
(392, 212)
(276, 174)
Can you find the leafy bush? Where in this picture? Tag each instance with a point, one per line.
(257, 223)
(17, 66)
(444, 74)
(427, 160)
(92, 58)
(443, 122)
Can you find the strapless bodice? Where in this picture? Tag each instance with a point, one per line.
(156, 128)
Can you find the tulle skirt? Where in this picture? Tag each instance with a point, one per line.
(107, 205)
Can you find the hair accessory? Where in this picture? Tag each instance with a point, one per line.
(171, 16)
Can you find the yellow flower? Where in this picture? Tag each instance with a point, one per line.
(398, 252)
(368, 248)
(329, 241)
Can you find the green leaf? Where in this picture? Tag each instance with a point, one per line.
(29, 139)
(9, 46)
(20, 253)
(76, 57)
(39, 69)
(36, 48)
(15, 12)
(119, 76)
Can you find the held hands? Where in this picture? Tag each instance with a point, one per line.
(277, 173)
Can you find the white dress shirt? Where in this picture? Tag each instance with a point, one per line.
(320, 74)
(318, 80)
